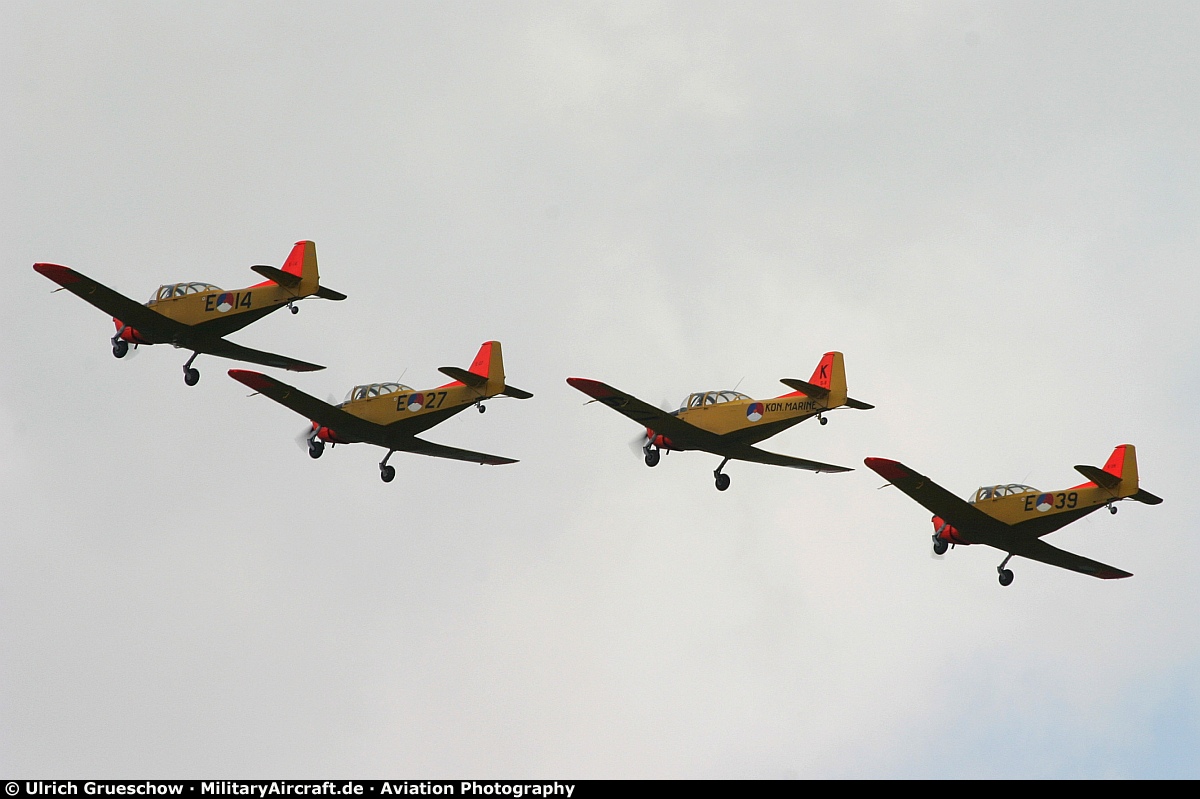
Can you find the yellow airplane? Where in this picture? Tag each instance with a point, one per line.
(1013, 518)
(728, 424)
(390, 415)
(197, 316)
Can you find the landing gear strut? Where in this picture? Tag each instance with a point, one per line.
(822, 419)
(722, 479)
(191, 376)
(120, 346)
(387, 473)
(1006, 575)
(652, 455)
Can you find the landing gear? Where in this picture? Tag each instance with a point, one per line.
(940, 546)
(822, 419)
(191, 376)
(652, 455)
(315, 447)
(1006, 575)
(387, 473)
(722, 479)
(120, 346)
(292, 307)
(1112, 509)
(481, 407)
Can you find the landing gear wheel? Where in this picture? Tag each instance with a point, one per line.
(722, 482)
(940, 546)
(481, 407)
(191, 375)
(1006, 576)
(652, 456)
(1112, 509)
(120, 348)
(822, 420)
(315, 447)
(293, 309)
(387, 474)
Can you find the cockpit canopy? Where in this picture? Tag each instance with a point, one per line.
(701, 398)
(992, 492)
(375, 390)
(170, 290)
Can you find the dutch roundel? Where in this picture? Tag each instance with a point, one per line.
(755, 411)
(224, 302)
(1045, 502)
(416, 402)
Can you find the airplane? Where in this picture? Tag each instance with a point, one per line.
(198, 316)
(390, 415)
(728, 423)
(1013, 518)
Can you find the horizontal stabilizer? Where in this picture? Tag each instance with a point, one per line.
(513, 391)
(285, 279)
(1099, 476)
(1145, 496)
(857, 405)
(463, 376)
(329, 294)
(814, 391)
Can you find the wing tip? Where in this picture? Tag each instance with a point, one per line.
(888, 469)
(255, 380)
(593, 388)
(62, 275)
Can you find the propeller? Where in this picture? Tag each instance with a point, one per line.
(306, 435)
(637, 443)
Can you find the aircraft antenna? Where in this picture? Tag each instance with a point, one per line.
(735, 388)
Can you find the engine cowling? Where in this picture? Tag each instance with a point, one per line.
(327, 435)
(657, 440)
(945, 532)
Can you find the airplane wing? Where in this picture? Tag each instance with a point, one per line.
(962, 515)
(745, 452)
(152, 325)
(223, 348)
(680, 432)
(1039, 550)
(422, 447)
(348, 426)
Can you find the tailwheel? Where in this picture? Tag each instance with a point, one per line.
(722, 482)
(387, 474)
(1112, 509)
(652, 456)
(315, 447)
(940, 546)
(1006, 576)
(120, 348)
(191, 375)
(293, 308)
(822, 420)
(481, 407)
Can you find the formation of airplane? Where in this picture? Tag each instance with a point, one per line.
(729, 424)
(198, 316)
(390, 415)
(1013, 518)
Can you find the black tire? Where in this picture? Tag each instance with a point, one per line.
(120, 348)
(940, 547)
(722, 482)
(1112, 509)
(294, 309)
(191, 376)
(387, 474)
(652, 457)
(315, 448)
(1006, 577)
(823, 420)
(481, 407)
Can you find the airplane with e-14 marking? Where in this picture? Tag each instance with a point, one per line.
(390, 415)
(728, 424)
(198, 316)
(1013, 518)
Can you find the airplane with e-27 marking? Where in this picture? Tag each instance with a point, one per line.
(390, 415)
(198, 316)
(728, 424)
(1013, 518)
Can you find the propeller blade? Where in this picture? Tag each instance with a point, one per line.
(304, 437)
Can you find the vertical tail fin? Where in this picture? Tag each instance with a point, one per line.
(830, 374)
(302, 262)
(1120, 472)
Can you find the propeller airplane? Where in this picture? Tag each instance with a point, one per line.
(728, 423)
(390, 415)
(198, 316)
(1013, 518)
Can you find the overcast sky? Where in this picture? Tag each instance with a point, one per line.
(990, 208)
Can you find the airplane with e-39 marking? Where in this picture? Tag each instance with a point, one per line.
(390, 415)
(1013, 518)
(198, 316)
(728, 424)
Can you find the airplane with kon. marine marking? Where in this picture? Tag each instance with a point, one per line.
(1013, 517)
(390, 415)
(728, 423)
(198, 316)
